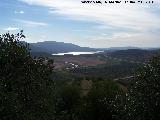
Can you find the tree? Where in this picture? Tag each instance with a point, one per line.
(143, 98)
(100, 101)
(26, 91)
(68, 101)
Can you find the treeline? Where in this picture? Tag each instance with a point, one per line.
(27, 91)
(135, 55)
(107, 71)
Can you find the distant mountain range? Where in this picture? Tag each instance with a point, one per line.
(58, 47)
(47, 48)
(113, 49)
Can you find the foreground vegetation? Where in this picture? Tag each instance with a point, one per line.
(25, 87)
(28, 92)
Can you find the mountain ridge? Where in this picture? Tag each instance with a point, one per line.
(47, 48)
(58, 47)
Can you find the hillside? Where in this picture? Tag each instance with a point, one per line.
(138, 55)
(58, 47)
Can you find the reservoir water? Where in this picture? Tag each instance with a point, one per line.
(77, 53)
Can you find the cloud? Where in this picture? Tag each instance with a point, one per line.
(125, 22)
(28, 23)
(19, 12)
(128, 16)
(11, 29)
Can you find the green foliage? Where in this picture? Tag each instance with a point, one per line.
(98, 104)
(25, 87)
(28, 93)
(100, 101)
(143, 98)
(68, 102)
(114, 70)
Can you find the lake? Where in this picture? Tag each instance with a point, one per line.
(77, 53)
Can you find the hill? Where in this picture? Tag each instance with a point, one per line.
(58, 47)
(134, 54)
(47, 48)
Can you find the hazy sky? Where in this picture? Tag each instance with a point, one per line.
(93, 25)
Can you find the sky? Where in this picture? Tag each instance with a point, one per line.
(88, 25)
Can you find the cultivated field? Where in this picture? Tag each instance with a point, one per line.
(71, 62)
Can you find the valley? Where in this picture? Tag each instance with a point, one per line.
(117, 65)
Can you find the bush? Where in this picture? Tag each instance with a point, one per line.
(143, 98)
(68, 102)
(100, 101)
